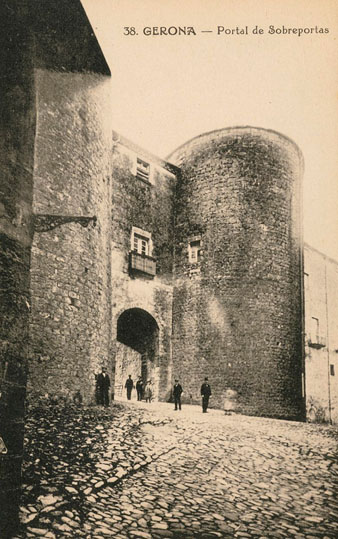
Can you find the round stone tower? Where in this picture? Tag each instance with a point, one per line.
(237, 311)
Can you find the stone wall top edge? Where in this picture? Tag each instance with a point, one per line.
(120, 139)
(94, 75)
(204, 138)
(66, 24)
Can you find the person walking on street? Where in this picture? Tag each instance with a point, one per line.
(129, 386)
(139, 389)
(148, 392)
(230, 401)
(206, 393)
(177, 392)
(103, 385)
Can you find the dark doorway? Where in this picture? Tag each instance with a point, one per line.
(138, 332)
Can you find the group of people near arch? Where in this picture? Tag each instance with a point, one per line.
(145, 391)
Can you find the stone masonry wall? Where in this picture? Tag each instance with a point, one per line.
(321, 336)
(32, 33)
(17, 130)
(237, 312)
(70, 277)
(127, 362)
(147, 205)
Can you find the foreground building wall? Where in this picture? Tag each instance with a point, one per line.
(321, 337)
(70, 269)
(238, 268)
(35, 35)
(17, 130)
(70, 327)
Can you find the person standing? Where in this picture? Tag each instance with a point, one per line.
(177, 392)
(139, 389)
(148, 392)
(206, 393)
(230, 401)
(103, 385)
(129, 386)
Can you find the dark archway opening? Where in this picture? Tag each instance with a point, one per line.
(138, 331)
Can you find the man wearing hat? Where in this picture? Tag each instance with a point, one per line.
(206, 393)
(103, 385)
(177, 392)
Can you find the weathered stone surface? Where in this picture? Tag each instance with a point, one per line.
(70, 264)
(236, 310)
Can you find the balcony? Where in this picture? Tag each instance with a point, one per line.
(142, 263)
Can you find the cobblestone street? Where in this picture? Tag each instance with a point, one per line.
(144, 470)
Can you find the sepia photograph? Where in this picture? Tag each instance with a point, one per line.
(169, 269)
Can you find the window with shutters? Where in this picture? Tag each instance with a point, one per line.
(141, 245)
(142, 169)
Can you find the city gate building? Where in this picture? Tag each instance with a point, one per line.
(184, 268)
(187, 267)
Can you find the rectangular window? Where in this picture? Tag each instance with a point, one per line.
(140, 257)
(142, 169)
(194, 251)
(332, 370)
(141, 245)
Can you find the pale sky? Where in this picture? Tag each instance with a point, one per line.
(168, 89)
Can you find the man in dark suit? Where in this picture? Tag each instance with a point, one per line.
(103, 385)
(206, 393)
(129, 386)
(139, 389)
(177, 392)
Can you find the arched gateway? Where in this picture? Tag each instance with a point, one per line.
(137, 349)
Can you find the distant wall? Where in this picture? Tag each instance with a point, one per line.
(321, 336)
(127, 362)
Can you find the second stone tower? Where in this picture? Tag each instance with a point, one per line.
(237, 311)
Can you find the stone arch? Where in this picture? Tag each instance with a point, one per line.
(137, 348)
(129, 305)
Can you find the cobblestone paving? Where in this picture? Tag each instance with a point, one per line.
(140, 470)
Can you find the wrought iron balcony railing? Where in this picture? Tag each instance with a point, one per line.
(317, 342)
